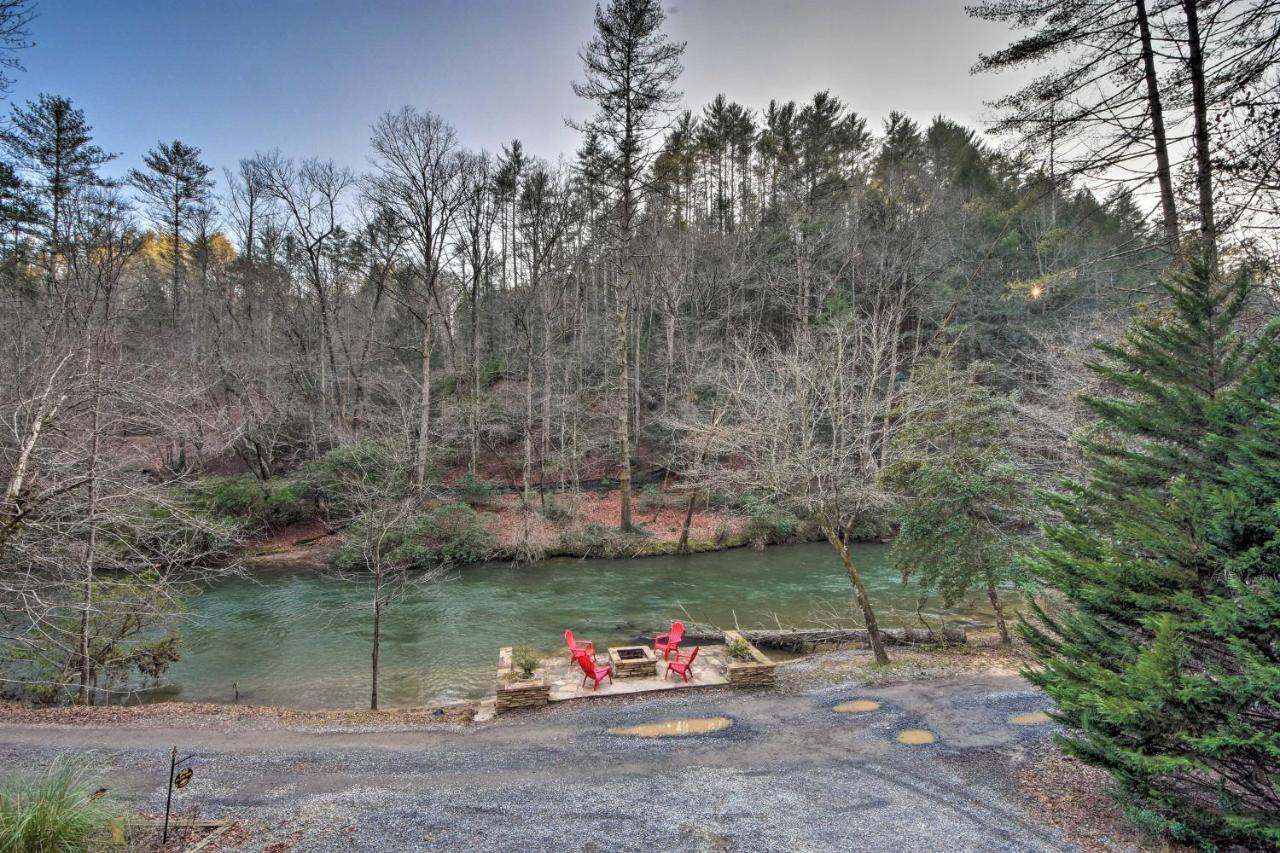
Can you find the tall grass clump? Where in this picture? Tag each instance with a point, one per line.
(56, 811)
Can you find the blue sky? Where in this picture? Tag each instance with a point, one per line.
(310, 76)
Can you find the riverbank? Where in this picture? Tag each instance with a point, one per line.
(579, 525)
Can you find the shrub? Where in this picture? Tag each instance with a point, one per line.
(457, 534)
(561, 508)
(493, 370)
(720, 500)
(524, 661)
(447, 533)
(770, 526)
(596, 540)
(251, 503)
(58, 810)
(133, 639)
(651, 499)
(477, 491)
(740, 650)
(723, 534)
(338, 477)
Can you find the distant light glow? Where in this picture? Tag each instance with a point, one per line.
(1036, 291)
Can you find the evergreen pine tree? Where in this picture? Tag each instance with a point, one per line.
(965, 498)
(51, 144)
(1228, 781)
(1162, 659)
(175, 187)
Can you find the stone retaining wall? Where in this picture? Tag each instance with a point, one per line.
(759, 672)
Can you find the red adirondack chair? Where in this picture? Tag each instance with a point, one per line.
(670, 641)
(682, 666)
(578, 648)
(594, 672)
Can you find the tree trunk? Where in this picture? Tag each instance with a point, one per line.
(635, 375)
(997, 609)
(177, 258)
(670, 366)
(864, 603)
(545, 447)
(1168, 206)
(86, 594)
(624, 420)
(474, 419)
(527, 469)
(802, 280)
(424, 415)
(887, 422)
(683, 547)
(1204, 167)
(377, 635)
(10, 510)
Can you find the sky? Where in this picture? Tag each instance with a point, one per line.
(309, 77)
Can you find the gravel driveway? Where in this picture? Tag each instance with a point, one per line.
(789, 774)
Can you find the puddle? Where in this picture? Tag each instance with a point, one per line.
(915, 737)
(675, 728)
(857, 706)
(1035, 718)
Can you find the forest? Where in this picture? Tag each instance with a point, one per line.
(839, 327)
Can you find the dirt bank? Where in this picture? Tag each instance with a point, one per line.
(517, 528)
(577, 525)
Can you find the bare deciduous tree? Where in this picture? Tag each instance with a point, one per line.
(419, 178)
(796, 433)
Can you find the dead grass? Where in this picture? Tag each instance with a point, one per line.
(1075, 799)
(983, 653)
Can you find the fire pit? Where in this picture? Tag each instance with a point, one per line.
(633, 661)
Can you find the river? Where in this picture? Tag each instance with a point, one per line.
(302, 638)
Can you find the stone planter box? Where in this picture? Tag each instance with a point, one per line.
(758, 672)
(512, 695)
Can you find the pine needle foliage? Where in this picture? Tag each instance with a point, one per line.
(1164, 657)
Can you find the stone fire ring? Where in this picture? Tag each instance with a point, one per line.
(633, 661)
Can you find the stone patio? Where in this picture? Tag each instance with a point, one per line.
(565, 680)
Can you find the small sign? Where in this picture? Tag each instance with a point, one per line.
(183, 778)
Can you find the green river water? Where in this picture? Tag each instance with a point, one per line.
(302, 638)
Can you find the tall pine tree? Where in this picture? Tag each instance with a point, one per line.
(1161, 659)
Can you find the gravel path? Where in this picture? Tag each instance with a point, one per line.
(789, 774)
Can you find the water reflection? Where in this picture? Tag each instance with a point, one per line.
(857, 706)
(675, 728)
(915, 737)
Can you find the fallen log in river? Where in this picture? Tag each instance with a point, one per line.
(805, 641)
